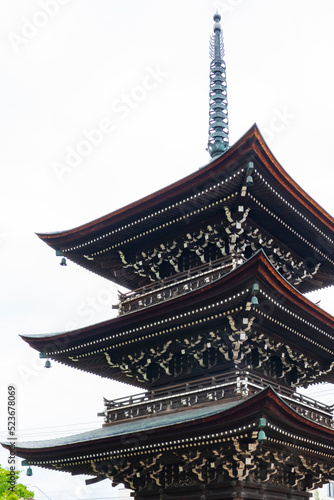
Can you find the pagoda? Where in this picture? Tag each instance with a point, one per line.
(215, 330)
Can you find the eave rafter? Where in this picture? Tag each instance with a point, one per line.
(95, 245)
(254, 344)
(265, 431)
(124, 348)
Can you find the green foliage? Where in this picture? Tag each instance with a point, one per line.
(12, 496)
(317, 496)
(20, 491)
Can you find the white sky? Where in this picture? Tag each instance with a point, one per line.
(75, 72)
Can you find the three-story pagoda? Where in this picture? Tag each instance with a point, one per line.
(215, 329)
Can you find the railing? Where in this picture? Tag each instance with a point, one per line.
(171, 391)
(176, 285)
(236, 385)
(304, 405)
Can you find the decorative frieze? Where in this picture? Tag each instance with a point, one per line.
(238, 340)
(191, 249)
(291, 266)
(238, 458)
(230, 238)
(191, 353)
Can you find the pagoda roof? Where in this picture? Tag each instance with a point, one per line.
(276, 200)
(181, 429)
(292, 318)
(134, 426)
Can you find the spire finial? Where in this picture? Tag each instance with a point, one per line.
(218, 114)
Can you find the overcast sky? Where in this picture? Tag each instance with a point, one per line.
(138, 71)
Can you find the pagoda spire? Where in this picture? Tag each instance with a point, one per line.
(218, 114)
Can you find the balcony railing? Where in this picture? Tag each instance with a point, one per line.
(235, 385)
(177, 285)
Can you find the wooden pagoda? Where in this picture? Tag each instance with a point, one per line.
(215, 329)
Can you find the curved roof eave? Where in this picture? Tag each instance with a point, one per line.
(251, 142)
(257, 266)
(266, 402)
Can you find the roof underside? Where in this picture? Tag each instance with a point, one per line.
(277, 204)
(293, 319)
(220, 419)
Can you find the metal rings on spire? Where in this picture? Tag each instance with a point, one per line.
(218, 115)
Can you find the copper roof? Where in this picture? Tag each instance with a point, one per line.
(76, 453)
